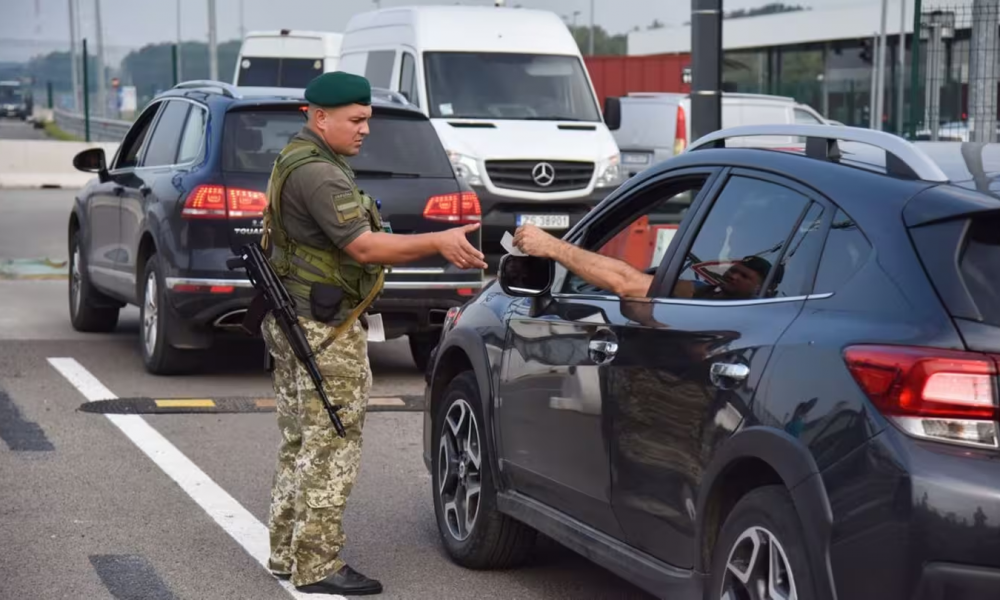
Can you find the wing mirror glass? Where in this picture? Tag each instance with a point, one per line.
(92, 160)
(525, 275)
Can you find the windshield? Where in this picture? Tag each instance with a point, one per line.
(266, 71)
(483, 85)
(253, 139)
(10, 94)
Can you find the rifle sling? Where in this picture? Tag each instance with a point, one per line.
(349, 321)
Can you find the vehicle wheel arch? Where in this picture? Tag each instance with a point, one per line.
(758, 456)
(464, 351)
(147, 247)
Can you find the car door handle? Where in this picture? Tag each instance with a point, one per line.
(118, 190)
(602, 351)
(145, 190)
(726, 375)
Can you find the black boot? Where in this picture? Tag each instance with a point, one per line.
(346, 582)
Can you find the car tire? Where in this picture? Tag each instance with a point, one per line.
(422, 345)
(89, 310)
(158, 356)
(494, 540)
(763, 525)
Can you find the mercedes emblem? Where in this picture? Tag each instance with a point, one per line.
(543, 174)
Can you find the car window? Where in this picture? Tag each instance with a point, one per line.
(798, 263)
(378, 71)
(639, 239)
(740, 242)
(132, 144)
(167, 135)
(191, 138)
(846, 250)
(804, 117)
(267, 71)
(408, 78)
(980, 266)
(253, 139)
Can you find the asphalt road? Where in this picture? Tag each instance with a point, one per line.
(170, 506)
(16, 129)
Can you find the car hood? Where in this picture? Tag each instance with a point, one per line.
(535, 140)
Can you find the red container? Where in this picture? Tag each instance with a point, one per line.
(619, 75)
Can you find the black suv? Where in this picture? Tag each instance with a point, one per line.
(186, 189)
(803, 405)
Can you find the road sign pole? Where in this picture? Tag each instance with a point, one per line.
(86, 95)
(915, 72)
(173, 57)
(706, 67)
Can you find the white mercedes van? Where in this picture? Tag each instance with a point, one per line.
(286, 58)
(511, 99)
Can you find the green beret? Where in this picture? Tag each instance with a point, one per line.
(339, 89)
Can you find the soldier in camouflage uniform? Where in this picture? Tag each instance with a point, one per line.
(330, 250)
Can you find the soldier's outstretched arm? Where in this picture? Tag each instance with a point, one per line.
(393, 249)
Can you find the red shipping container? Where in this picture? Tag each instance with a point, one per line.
(619, 75)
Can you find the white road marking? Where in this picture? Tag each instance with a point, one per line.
(237, 521)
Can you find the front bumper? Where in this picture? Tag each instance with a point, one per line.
(500, 215)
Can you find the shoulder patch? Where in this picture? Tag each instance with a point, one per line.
(347, 206)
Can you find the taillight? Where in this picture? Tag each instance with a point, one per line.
(206, 202)
(219, 202)
(460, 207)
(244, 204)
(945, 395)
(680, 131)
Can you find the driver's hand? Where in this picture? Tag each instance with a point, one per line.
(533, 241)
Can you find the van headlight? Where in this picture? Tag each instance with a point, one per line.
(609, 172)
(466, 167)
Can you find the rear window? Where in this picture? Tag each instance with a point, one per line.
(980, 266)
(396, 145)
(266, 71)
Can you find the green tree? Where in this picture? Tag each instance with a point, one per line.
(150, 68)
(605, 44)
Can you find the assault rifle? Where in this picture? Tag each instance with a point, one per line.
(273, 297)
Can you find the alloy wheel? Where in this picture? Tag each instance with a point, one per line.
(149, 315)
(459, 469)
(75, 282)
(758, 569)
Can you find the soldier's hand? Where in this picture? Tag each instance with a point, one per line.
(455, 247)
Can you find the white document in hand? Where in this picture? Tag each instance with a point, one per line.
(508, 244)
(376, 332)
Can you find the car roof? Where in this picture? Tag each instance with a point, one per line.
(887, 171)
(257, 95)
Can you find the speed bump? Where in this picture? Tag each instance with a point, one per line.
(230, 404)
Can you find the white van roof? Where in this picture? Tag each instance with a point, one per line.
(259, 39)
(474, 28)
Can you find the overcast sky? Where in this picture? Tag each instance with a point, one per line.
(31, 27)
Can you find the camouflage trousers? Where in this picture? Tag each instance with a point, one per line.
(316, 468)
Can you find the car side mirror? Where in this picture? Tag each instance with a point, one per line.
(92, 160)
(525, 276)
(613, 113)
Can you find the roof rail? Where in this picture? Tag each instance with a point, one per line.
(901, 157)
(227, 89)
(390, 96)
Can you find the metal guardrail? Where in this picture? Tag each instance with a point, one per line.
(101, 130)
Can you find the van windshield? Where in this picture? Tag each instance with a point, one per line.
(9, 93)
(269, 71)
(496, 85)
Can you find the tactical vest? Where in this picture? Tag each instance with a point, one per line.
(361, 283)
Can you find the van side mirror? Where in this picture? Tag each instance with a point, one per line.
(92, 160)
(613, 113)
(524, 276)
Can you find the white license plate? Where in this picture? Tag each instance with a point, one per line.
(635, 159)
(544, 221)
